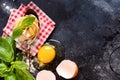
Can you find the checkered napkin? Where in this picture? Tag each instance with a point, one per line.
(47, 26)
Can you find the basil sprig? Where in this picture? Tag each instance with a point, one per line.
(12, 67)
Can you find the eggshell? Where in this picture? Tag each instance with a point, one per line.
(67, 69)
(45, 75)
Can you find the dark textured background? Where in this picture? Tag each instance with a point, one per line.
(89, 30)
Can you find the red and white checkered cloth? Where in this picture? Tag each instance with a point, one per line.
(47, 26)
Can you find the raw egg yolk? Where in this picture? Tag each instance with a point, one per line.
(46, 54)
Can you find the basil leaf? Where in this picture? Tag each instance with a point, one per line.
(26, 23)
(23, 75)
(6, 51)
(11, 42)
(3, 69)
(9, 39)
(17, 32)
(10, 77)
(19, 65)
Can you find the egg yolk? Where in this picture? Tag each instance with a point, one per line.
(46, 54)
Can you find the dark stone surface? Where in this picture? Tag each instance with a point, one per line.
(89, 30)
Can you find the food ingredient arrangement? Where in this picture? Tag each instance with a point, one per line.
(17, 61)
(11, 66)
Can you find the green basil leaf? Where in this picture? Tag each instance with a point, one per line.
(11, 77)
(17, 32)
(6, 51)
(11, 42)
(20, 65)
(26, 23)
(23, 75)
(9, 39)
(3, 69)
